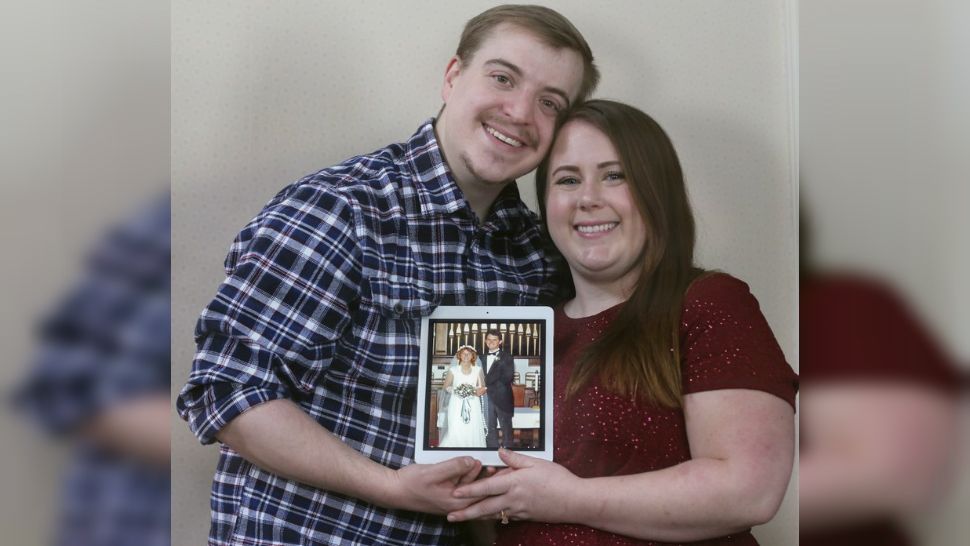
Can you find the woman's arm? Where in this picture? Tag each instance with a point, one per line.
(480, 391)
(742, 443)
(449, 380)
(873, 451)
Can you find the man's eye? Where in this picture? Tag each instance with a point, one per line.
(502, 79)
(550, 106)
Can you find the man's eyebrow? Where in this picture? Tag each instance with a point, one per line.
(518, 72)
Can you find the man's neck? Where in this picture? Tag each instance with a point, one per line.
(480, 196)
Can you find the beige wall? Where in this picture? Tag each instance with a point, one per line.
(265, 92)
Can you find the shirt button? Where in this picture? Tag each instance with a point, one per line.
(398, 308)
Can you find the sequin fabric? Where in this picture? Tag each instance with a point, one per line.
(725, 343)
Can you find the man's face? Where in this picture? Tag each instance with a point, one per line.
(492, 342)
(501, 106)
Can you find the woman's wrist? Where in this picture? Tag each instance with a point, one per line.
(581, 503)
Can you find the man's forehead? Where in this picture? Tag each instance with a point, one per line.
(535, 58)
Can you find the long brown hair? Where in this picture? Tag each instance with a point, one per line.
(639, 353)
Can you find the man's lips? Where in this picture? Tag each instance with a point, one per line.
(504, 137)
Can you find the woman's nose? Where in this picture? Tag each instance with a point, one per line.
(590, 196)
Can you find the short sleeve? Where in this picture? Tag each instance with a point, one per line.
(858, 328)
(294, 274)
(726, 342)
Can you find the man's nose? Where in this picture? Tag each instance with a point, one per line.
(518, 106)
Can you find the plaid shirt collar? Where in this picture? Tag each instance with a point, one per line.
(439, 194)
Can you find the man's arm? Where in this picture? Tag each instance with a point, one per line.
(280, 438)
(507, 370)
(138, 428)
(271, 333)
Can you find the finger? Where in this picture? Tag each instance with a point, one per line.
(496, 485)
(486, 509)
(515, 460)
(472, 473)
(451, 469)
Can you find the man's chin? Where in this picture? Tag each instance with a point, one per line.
(498, 177)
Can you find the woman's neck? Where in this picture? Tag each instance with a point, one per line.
(592, 298)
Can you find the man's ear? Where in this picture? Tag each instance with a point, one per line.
(452, 71)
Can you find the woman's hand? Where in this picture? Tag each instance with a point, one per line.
(516, 490)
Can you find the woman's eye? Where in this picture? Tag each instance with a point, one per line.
(502, 79)
(567, 181)
(615, 176)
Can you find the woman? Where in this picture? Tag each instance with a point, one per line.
(465, 421)
(674, 406)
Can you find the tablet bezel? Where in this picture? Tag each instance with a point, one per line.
(423, 452)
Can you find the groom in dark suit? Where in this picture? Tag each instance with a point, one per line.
(499, 370)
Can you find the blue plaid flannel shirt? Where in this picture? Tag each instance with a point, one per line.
(322, 305)
(107, 343)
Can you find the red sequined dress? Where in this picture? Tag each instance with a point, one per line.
(725, 343)
(856, 329)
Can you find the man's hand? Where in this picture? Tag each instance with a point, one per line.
(430, 487)
(481, 391)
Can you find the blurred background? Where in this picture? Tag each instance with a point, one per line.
(884, 302)
(85, 171)
(882, 155)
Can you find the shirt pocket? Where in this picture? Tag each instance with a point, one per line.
(388, 337)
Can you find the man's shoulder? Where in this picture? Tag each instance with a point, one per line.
(363, 175)
(374, 181)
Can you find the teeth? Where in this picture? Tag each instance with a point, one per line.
(506, 139)
(597, 228)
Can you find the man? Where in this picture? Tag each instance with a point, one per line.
(499, 371)
(306, 368)
(101, 380)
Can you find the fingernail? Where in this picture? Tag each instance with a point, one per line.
(451, 518)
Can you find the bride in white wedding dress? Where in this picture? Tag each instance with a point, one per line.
(465, 421)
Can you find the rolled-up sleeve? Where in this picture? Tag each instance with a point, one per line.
(294, 273)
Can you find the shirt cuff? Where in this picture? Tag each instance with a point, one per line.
(208, 408)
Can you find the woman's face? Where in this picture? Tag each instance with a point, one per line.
(465, 356)
(590, 211)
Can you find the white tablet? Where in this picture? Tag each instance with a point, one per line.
(470, 402)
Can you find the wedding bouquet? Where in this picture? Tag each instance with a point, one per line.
(464, 390)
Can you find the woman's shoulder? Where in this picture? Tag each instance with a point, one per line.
(719, 305)
(717, 288)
